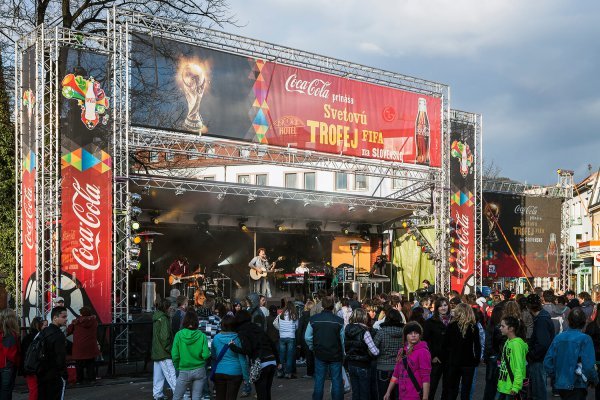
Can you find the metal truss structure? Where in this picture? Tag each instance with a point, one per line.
(421, 187)
(562, 190)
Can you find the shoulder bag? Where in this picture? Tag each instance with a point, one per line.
(213, 367)
(412, 377)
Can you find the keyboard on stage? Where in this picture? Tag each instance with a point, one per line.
(366, 278)
(302, 275)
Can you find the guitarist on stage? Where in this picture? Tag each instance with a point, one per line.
(261, 263)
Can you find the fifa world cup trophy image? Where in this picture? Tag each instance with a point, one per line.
(193, 79)
(492, 214)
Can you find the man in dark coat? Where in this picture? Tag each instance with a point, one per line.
(539, 343)
(52, 376)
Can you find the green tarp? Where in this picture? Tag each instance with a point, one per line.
(412, 265)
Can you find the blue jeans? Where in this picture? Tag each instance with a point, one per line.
(360, 381)
(7, 382)
(337, 385)
(287, 354)
(537, 381)
(196, 378)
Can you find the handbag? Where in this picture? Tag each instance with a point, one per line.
(213, 367)
(255, 369)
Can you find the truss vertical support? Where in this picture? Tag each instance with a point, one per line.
(441, 202)
(478, 172)
(565, 185)
(119, 53)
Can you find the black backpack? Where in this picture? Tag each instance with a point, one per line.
(35, 355)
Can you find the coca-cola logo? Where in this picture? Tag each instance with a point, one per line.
(85, 204)
(462, 232)
(526, 210)
(315, 87)
(29, 217)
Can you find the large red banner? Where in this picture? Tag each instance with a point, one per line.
(86, 186)
(209, 92)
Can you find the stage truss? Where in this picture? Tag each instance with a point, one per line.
(420, 188)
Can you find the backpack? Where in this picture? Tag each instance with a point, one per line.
(35, 355)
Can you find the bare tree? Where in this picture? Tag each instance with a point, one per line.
(491, 170)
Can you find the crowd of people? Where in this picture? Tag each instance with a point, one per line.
(386, 347)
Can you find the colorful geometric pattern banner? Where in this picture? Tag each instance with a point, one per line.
(86, 185)
(180, 87)
(461, 260)
(27, 111)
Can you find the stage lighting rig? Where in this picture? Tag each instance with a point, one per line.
(314, 228)
(251, 199)
(220, 196)
(365, 231)
(155, 217)
(351, 207)
(279, 225)
(345, 228)
(242, 224)
(135, 198)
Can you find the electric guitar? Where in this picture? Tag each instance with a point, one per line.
(258, 272)
(175, 279)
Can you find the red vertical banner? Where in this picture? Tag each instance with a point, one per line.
(28, 227)
(462, 207)
(86, 186)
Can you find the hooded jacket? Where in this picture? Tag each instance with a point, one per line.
(85, 339)
(541, 338)
(513, 356)
(258, 317)
(419, 361)
(190, 350)
(162, 338)
(357, 351)
(389, 341)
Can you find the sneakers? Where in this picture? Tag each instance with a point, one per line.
(307, 376)
(301, 361)
(245, 394)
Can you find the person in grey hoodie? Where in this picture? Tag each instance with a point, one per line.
(258, 317)
(557, 312)
(389, 341)
(586, 304)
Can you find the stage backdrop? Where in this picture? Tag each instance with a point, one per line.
(86, 245)
(532, 227)
(462, 206)
(177, 86)
(412, 265)
(27, 113)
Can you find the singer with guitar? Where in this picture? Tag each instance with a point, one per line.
(179, 271)
(259, 267)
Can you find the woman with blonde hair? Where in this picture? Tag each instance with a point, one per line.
(10, 354)
(359, 348)
(464, 351)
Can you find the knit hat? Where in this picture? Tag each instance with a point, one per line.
(412, 327)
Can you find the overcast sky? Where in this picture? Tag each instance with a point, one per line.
(530, 67)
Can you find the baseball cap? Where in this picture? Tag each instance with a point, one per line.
(58, 299)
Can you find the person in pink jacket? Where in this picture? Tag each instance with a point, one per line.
(413, 366)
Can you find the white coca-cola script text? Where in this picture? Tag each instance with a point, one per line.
(29, 217)
(462, 231)
(316, 87)
(85, 207)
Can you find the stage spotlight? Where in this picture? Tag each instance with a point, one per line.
(277, 200)
(251, 199)
(146, 189)
(242, 224)
(372, 209)
(135, 198)
(351, 207)
(406, 224)
(155, 220)
(220, 196)
(134, 251)
(365, 232)
(306, 203)
(345, 228)
(279, 225)
(137, 239)
(135, 225)
(327, 204)
(135, 211)
(134, 265)
(154, 217)
(179, 191)
(314, 228)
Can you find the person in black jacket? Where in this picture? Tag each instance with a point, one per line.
(325, 337)
(494, 341)
(593, 329)
(434, 331)
(308, 354)
(464, 351)
(539, 343)
(52, 376)
(359, 349)
(257, 345)
(34, 328)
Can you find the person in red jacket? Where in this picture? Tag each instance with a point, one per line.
(10, 354)
(85, 343)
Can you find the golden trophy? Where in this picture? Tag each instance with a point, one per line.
(193, 81)
(492, 213)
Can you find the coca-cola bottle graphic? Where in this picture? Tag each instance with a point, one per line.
(552, 255)
(422, 134)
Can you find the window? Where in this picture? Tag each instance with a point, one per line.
(309, 180)
(245, 179)
(261, 179)
(153, 156)
(169, 156)
(341, 181)
(360, 182)
(290, 181)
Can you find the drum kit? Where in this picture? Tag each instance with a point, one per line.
(217, 286)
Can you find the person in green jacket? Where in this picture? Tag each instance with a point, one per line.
(190, 352)
(512, 367)
(162, 340)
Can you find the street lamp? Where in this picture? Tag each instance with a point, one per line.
(355, 246)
